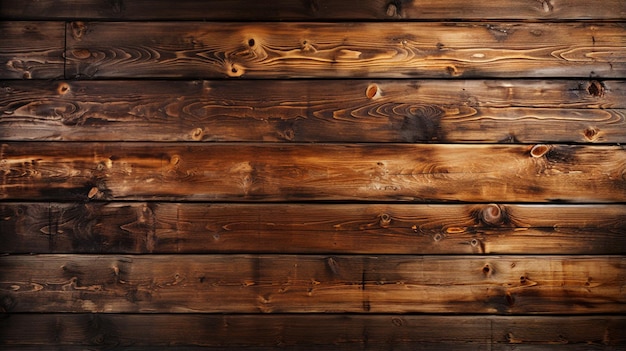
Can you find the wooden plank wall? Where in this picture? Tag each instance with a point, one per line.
(426, 175)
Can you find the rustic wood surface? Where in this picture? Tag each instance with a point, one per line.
(305, 283)
(330, 50)
(313, 10)
(308, 228)
(31, 49)
(341, 332)
(376, 174)
(312, 172)
(478, 111)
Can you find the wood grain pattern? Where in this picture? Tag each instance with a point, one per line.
(312, 332)
(461, 111)
(32, 50)
(329, 50)
(304, 284)
(312, 172)
(307, 228)
(313, 10)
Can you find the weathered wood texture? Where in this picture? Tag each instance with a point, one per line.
(306, 228)
(340, 332)
(376, 174)
(313, 172)
(328, 50)
(478, 111)
(32, 49)
(315, 10)
(286, 283)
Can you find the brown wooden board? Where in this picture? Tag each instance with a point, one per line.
(312, 172)
(306, 228)
(347, 50)
(315, 10)
(461, 111)
(31, 49)
(339, 332)
(304, 284)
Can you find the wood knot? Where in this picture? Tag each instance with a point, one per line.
(596, 88)
(492, 214)
(235, 70)
(373, 92)
(174, 160)
(591, 134)
(81, 54)
(385, 220)
(539, 150)
(63, 88)
(78, 30)
(487, 269)
(453, 71)
(93, 192)
(546, 5)
(392, 10)
(197, 134)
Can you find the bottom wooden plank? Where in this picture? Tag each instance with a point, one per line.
(313, 284)
(336, 331)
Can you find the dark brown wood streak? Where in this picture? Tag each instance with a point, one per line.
(308, 228)
(32, 50)
(315, 10)
(310, 332)
(349, 50)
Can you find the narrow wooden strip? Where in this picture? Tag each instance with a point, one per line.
(312, 172)
(341, 332)
(327, 228)
(329, 50)
(31, 49)
(304, 284)
(585, 111)
(314, 10)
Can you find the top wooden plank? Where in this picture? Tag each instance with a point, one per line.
(316, 10)
(344, 50)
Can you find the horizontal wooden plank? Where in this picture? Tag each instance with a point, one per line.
(341, 332)
(330, 50)
(583, 111)
(313, 10)
(285, 283)
(312, 172)
(323, 228)
(31, 49)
